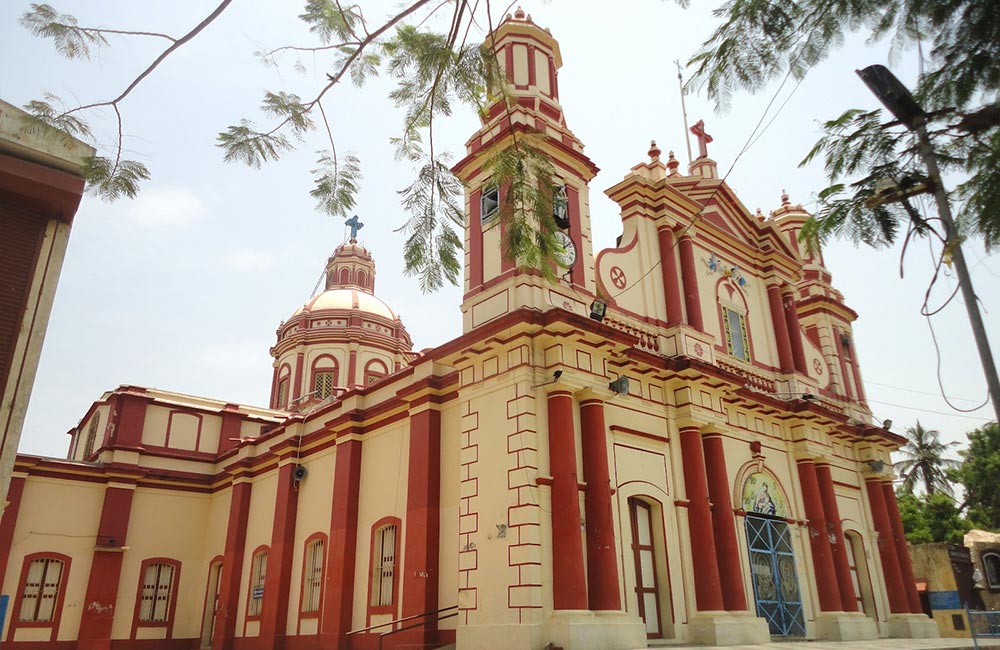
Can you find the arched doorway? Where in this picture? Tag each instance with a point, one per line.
(775, 582)
(772, 556)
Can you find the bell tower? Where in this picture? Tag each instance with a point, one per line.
(528, 59)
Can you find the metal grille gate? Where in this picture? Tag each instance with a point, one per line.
(775, 584)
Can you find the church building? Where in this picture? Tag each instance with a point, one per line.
(667, 439)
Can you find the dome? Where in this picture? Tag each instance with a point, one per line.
(341, 339)
(348, 299)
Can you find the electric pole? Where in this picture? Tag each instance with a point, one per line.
(897, 98)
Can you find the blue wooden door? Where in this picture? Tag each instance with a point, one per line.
(775, 584)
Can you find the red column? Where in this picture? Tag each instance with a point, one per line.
(105, 571)
(131, 419)
(848, 598)
(898, 602)
(353, 381)
(689, 274)
(569, 589)
(780, 328)
(795, 334)
(602, 554)
(278, 579)
(724, 525)
(707, 586)
(902, 549)
(227, 608)
(338, 589)
(423, 498)
(297, 381)
(819, 540)
(668, 269)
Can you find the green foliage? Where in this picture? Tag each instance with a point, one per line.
(113, 179)
(336, 183)
(525, 173)
(70, 39)
(760, 41)
(46, 116)
(932, 518)
(328, 19)
(433, 247)
(434, 73)
(924, 461)
(244, 143)
(979, 475)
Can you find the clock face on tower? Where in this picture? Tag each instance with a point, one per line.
(567, 255)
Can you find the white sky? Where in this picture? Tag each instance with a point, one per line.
(182, 289)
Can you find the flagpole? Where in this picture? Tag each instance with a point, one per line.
(684, 113)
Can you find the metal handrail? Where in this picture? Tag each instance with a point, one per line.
(410, 627)
(404, 619)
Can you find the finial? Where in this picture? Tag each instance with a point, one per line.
(672, 164)
(654, 151)
(784, 197)
(519, 14)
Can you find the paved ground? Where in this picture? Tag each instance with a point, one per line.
(880, 644)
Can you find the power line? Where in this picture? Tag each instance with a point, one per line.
(918, 392)
(914, 408)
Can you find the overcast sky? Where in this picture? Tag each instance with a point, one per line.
(182, 288)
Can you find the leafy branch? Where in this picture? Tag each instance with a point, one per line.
(109, 179)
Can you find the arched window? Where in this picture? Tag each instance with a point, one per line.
(374, 371)
(88, 447)
(733, 316)
(281, 390)
(345, 276)
(157, 594)
(282, 400)
(384, 563)
(312, 574)
(324, 377)
(41, 589)
(40, 592)
(991, 566)
(258, 575)
(363, 279)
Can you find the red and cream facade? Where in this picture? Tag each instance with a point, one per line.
(732, 490)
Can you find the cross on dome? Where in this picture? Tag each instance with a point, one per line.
(703, 138)
(355, 225)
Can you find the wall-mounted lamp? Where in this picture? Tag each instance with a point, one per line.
(619, 385)
(597, 309)
(876, 465)
(886, 424)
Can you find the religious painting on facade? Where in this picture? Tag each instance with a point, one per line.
(761, 494)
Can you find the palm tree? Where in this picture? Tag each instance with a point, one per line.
(924, 461)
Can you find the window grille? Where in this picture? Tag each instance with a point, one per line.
(384, 566)
(323, 384)
(313, 576)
